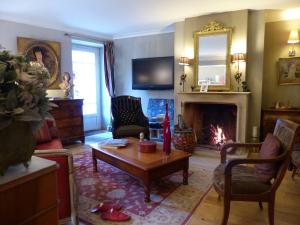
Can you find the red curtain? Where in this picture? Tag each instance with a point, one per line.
(109, 61)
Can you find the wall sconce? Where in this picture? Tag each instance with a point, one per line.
(238, 57)
(293, 39)
(183, 61)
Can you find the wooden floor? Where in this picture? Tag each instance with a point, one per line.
(287, 206)
(210, 211)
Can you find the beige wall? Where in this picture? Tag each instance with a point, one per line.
(255, 51)
(237, 20)
(276, 36)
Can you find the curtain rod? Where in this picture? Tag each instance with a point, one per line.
(86, 38)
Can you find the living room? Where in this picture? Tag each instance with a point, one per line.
(226, 75)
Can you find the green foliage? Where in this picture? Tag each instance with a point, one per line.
(23, 87)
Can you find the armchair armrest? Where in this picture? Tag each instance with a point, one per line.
(65, 161)
(231, 147)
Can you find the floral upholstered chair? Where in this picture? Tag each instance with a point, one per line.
(235, 180)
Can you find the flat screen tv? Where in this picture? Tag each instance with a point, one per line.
(153, 73)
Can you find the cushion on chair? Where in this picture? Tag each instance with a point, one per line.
(53, 144)
(296, 158)
(43, 134)
(270, 148)
(52, 129)
(244, 180)
(130, 131)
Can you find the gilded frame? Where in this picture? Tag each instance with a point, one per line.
(210, 29)
(51, 56)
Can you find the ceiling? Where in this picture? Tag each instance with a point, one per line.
(120, 18)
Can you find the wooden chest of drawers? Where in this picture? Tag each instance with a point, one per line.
(69, 119)
(270, 116)
(29, 196)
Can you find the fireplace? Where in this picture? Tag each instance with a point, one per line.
(212, 123)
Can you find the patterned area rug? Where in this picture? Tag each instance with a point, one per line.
(171, 202)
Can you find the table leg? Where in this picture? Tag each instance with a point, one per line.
(186, 173)
(94, 161)
(147, 190)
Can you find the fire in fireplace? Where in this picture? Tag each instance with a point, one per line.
(217, 135)
(213, 124)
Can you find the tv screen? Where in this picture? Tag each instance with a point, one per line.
(153, 73)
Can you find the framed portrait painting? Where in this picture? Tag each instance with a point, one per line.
(289, 71)
(46, 52)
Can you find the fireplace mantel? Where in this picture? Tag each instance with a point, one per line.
(215, 93)
(240, 99)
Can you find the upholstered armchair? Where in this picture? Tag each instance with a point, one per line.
(50, 147)
(128, 119)
(237, 180)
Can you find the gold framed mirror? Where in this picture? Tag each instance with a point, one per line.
(212, 47)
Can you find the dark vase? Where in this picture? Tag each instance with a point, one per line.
(16, 145)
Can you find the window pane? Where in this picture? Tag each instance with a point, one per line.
(84, 68)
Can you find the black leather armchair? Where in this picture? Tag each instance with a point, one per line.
(128, 119)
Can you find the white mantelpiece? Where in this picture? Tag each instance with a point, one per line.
(240, 99)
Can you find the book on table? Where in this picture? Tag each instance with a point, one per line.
(114, 143)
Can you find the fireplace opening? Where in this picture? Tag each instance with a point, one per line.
(213, 124)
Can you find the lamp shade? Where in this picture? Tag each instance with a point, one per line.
(238, 57)
(294, 37)
(184, 61)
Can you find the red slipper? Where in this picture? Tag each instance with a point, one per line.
(104, 207)
(114, 215)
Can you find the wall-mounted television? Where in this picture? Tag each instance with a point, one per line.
(153, 73)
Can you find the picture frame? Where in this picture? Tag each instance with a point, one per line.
(289, 71)
(46, 52)
(203, 84)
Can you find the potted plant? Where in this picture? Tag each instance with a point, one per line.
(23, 107)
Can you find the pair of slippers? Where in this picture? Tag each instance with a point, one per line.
(111, 212)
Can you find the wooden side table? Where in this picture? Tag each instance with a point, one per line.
(29, 196)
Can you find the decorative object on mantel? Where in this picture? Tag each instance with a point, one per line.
(289, 71)
(293, 39)
(245, 86)
(192, 88)
(212, 56)
(67, 85)
(203, 85)
(238, 57)
(184, 61)
(47, 53)
(23, 107)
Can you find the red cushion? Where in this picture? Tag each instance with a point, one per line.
(43, 135)
(52, 129)
(53, 144)
(63, 185)
(270, 148)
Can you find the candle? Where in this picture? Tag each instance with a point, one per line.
(254, 131)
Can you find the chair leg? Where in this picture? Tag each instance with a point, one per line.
(261, 206)
(271, 207)
(226, 211)
(294, 172)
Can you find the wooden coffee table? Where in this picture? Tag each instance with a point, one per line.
(144, 166)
